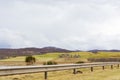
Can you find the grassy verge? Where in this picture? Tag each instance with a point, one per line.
(98, 74)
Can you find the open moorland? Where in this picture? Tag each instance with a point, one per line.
(65, 58)
(62, 58)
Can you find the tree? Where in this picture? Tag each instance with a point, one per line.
(30, 60)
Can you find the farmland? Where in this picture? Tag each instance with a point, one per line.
(98, 73)
(84, 56)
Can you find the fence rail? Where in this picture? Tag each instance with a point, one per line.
(13, 70)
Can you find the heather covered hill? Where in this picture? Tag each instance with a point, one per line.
(97, 50)
(4, 53)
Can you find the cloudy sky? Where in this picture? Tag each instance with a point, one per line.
(70, 24)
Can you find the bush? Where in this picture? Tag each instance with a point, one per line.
(50, 63)
(30, 60)
(79, 62)
(104, 59)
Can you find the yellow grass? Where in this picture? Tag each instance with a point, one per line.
(55, 57)
(98, 74)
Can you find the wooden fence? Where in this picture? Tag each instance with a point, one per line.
(13, 70)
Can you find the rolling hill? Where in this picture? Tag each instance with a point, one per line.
(29, 51)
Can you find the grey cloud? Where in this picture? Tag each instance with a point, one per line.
(4, 44)
(71, 24)
(13, 39)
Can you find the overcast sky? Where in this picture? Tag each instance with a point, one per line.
(70, 24)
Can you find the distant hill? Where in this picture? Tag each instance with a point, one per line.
(4, 53)
(96, 50)
(29, 51)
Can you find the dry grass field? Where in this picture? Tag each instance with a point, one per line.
(55, 57)
(98, 74)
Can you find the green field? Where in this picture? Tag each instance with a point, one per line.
(55, 56)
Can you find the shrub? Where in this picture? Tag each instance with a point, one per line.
(50, 63)
(30, 60)
(79, 62)
(104, 59)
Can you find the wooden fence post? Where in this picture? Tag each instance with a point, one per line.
(111, 66)
(45, 75)
(74, 71)
(103, 67)
(118, 66)
(91, 69)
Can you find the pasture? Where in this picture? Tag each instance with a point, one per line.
(98, 73)
(84, 56)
